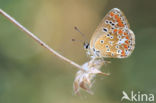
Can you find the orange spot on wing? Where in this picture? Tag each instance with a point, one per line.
(116, 17)
(127, 37)
(112, 14)
(123, 53)
(120, 24)
(126, 42)
(125, 34)
(115, 30)
(118, 20)
(126, 46)
(120, 31)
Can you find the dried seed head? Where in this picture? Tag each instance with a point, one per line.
(84, 79)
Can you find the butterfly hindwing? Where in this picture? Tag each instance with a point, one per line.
(113, 37)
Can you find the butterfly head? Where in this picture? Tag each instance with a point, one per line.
(86, 45)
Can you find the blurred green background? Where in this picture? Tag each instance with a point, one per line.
(30, 74)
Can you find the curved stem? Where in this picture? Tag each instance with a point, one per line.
(11, 19)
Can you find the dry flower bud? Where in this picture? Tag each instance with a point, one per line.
(84, 79)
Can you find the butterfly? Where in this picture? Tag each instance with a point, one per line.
(113, 37)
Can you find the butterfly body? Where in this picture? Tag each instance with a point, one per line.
(113, 38)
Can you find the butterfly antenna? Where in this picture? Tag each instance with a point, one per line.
(74, 40)
(84, 37)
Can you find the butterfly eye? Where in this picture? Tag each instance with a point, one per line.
(86, 45)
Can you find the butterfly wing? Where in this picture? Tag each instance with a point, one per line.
(113, 37)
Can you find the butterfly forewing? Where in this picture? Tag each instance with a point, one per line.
(113, 37)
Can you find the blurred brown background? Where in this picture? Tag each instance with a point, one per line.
(30, 74)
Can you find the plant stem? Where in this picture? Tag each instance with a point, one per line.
(11, 19)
